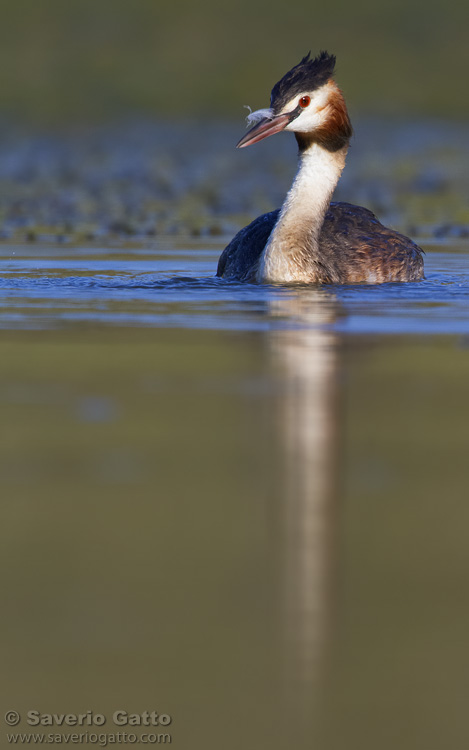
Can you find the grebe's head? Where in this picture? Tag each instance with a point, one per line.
(307, 102)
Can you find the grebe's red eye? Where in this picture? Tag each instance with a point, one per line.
(304, 101)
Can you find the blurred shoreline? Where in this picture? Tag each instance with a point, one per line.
(136, 179)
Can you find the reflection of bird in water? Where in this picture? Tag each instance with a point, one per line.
(310, 240)
(306, 358)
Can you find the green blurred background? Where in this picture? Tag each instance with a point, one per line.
(83, 60)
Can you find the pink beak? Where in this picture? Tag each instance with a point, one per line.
(263, 129)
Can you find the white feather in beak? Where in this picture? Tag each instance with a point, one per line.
(259, 114)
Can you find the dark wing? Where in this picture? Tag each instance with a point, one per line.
(360, 249)
(239, 259)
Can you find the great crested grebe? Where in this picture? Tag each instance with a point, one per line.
(310, 240)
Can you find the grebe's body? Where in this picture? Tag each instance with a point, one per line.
(310, 239)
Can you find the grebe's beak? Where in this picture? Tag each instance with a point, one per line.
(267, 126)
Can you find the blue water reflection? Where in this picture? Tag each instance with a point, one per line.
(175, 287)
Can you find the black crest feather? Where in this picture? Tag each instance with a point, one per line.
(308, 75)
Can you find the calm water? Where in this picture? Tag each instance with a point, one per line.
(171, 284)
(242, 506)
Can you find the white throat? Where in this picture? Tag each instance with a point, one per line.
(292, 250)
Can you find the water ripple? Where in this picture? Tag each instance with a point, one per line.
(183, 292)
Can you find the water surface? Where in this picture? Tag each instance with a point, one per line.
(241, 505)
(172, 284)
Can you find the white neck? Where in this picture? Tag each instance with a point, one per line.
(292, 250)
